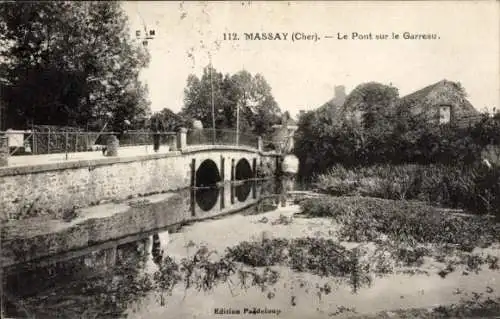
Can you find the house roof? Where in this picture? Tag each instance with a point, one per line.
(424, 92)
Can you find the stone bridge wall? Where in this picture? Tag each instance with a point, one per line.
(51, 189)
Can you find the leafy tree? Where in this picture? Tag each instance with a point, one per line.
(376, 102)
(321, 141)
(198, 96)
(251, 94)
(69, 63)
(256, 101)
(170, 121)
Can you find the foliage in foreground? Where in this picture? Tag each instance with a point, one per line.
(476, 189)
(479, 305)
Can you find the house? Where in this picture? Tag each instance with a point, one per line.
(442, 102)
(336, 103)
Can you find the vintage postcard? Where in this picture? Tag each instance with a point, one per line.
(249, 159)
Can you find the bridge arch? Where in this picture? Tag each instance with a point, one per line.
(207, 174)
(243, 170)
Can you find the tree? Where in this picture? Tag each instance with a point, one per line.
(251, 94)
(69, 63)
(170, 122)
(376, 102)
(257, 104)
(321, 141)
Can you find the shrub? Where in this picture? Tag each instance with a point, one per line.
(474, 188)
(365, 219)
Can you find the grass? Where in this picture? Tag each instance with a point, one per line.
(406, 232)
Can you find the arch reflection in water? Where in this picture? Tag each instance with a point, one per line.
(207, 177)
(243, 175)
(206, 198)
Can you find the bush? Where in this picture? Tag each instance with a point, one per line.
(365, 219)
(476, 189)
(323, 140)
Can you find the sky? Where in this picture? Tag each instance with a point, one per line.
(304, 73)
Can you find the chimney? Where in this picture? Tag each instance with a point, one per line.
(340, 95)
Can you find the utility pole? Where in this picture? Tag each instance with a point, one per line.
(212, 90)
(238, 120)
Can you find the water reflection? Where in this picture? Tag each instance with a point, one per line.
(103, 282)
(206, 198)
(242, 190)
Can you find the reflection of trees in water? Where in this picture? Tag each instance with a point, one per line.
(268, 186)
(72, 289)
(78, 287)
(243, 190)
(156, 250)
(109, 294)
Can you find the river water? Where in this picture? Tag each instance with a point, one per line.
(139, 278)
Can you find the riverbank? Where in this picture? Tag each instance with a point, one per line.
(306, 293)
(280, 261)
(26, 241)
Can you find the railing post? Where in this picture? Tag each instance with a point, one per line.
(172, 143)
(182, 138)
(260, 144)
(34, 151)
(66, 144)
(4, 150)
(48, 142)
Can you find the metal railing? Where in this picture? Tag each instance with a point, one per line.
(38, 142)
(52, 142)
(221, 137)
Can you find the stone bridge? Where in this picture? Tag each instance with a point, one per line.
(50, 185)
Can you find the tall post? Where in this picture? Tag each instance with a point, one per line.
(238, 123)
(213, 106)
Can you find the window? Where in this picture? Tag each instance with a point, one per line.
(444, 114)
